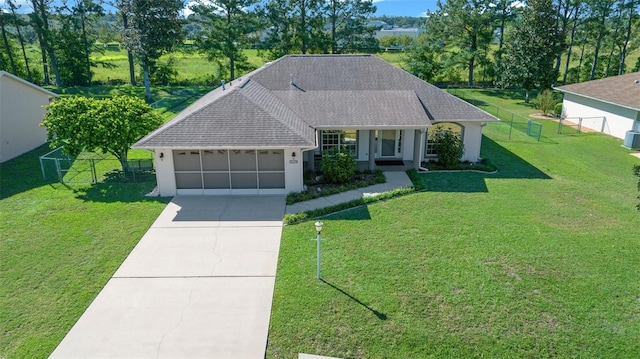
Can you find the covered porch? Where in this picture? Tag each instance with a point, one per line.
(383, 148)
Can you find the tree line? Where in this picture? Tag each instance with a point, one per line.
(497, 42)
(530, 45)
(67, 33)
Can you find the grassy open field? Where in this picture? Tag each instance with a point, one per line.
(538, 260)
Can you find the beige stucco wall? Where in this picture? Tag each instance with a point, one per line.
(472, 141)
(619, 120)
(22, 109)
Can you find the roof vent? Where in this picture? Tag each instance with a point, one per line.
(222, 82)
(636, 82)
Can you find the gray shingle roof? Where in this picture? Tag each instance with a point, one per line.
(281, 103)
(620, 90)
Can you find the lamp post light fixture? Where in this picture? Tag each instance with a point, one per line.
(318, 230)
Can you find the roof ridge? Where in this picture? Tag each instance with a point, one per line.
(267, 93)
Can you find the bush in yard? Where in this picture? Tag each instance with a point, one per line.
(557, 109)
(545, 102)
(338, 166)
(449, 147)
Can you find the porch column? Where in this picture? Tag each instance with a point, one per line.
(417, 148)
(311, 160)
(372, 150)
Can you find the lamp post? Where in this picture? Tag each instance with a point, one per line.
(318, 230)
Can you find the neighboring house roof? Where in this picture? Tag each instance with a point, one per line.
(27, 83)
(282, 103)
(622, 90)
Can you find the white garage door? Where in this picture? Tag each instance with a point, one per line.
(228, 171)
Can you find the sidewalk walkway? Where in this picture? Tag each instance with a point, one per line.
(395, 180)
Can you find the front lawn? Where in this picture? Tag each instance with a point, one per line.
(59, 246)
(538, 260)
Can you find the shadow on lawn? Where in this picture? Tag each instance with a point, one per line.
(110, 191)
(23, 173)
(509, 166)
(380, 316)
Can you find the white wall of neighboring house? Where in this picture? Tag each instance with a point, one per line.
(619, 119)
(22, 108)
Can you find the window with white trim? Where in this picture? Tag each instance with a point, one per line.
(432, 133)
(343, 139)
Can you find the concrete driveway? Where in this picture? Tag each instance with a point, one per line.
(199, 284)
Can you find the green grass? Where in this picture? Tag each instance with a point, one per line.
(59, 246)
(537, 260)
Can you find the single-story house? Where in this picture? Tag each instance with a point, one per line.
(610, 105)
(259, 133)
(22, 109)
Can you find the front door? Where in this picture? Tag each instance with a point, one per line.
(389, 143)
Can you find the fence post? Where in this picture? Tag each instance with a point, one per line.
(94, 176)
(44, 176)
(579, 124)
(58, 170)
(560, 125)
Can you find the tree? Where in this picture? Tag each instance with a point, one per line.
(630, 7)
(154, 28)
(423, 60)
(71, 52)
(7, 46)
(401, 41)
(467, 26)
(18, 23)
(40, 22)
(599, 12)
(227, 27)
(110, 125)
(529, 55)
(347, 24)
(87, 11)
(122, 6)
(295, 26)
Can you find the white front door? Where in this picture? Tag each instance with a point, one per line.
(389, 143)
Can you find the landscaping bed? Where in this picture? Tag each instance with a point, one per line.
(317, 186)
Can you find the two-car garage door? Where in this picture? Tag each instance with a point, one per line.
(229, 171)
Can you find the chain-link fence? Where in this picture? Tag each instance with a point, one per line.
(94, 167)
(525, 128)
